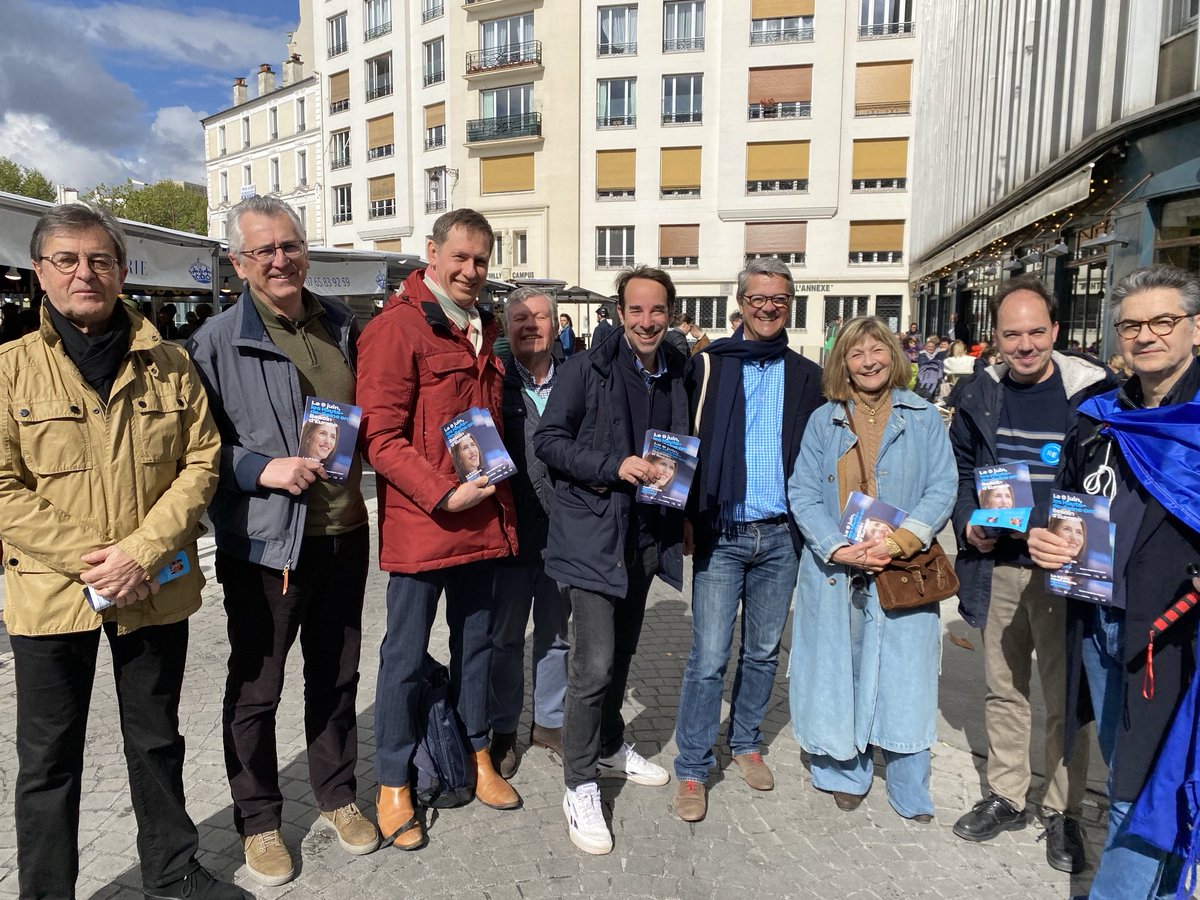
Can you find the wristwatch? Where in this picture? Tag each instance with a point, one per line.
(893, 548)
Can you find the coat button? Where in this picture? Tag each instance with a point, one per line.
(95, 410)
(833, 581)
(74, 409)
(831, 479)
(141, 404)
(23, 413)
(13, 562)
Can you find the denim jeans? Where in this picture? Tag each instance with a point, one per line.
(412, 602)
(907, 778)
(1129, 868)
(607, 629)
(323, 608)
(518, 587)
(755, 569)
(54, 676)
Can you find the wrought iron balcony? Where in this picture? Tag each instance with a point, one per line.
(434, 139)
(891, 108)
(499, 128)
(878, 184)
(614, 262)
(433, 11)
(794, 258)
(679, 262)
(665, 193)
(338, 106)
(339, 160)
(342, 215)
(870, 257)
(339, 48)
(382, 209)
(381, 151)
(380, 90)
(435, 77)
(776, 184)
(781, 35)
(432, 206)
(792, 109)
(683, 45)
(529, 53)
(886, 29)
(377, 31)
(683, 118)
(615, 193)
(616, 121)
(629, 48)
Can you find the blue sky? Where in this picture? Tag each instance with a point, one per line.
(104, 90)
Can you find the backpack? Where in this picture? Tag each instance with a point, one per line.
(441, 770)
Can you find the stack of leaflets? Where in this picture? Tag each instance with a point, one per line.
(1005, 498)
(329, 434)
(476, 448)
(1083, 521)
(866, 518)
(673, 458)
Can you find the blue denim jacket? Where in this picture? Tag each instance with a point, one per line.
(888, 696)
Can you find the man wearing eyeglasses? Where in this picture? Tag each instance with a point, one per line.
(109, 456)
(1018, 412)
(292, 546)
(1138, 447)
(751, 397)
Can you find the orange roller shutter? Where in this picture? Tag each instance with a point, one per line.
(501, 174)
(382, 188)
(339, 87)
(780, 9)
(379, 132)
(875, 236)
(392, 246)
(886, 82)
(886, 158)
(776, 237)
(679, 167)
(783, 84)
(678, 240)
(616, 170)
(770, 160)
(435, 115)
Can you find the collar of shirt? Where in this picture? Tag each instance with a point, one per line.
(312, 309)
(660, 364)
(530, 382)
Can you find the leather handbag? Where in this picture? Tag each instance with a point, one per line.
(925, 577)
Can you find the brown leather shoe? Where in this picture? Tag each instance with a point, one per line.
(691, 800)
(847, 802)
(550, 738)
(490, 788)
(755, 772)
(504, 753)
(398, 822)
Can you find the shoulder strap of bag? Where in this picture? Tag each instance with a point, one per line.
(863, 480)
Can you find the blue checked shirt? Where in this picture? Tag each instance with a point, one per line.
(762, 386)
(538, 393)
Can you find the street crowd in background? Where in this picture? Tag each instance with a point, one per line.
(119, 435)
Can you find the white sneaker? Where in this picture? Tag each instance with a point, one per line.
(585, 820)
(628, 763)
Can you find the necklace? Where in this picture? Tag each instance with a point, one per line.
(871, 411)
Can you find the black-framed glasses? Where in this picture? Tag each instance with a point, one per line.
(67, 262)
(1159, 325)
(758, 301)
(266, 255)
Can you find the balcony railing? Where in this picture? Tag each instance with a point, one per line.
(342, 215)
(339, 48)
(435, 77)
(629, 48)
(872, 257)
(890, 108)
(878, 184)
(679, 262)
(433, 141)
(682, 45)
(500, 127)
(887, 29)
(781, 36)
(529, 53)
(381, 151)
(616, 121)
(380, 90)
(339, 160)
(433, 11)
(381, 209)
(679, 192)
(614, 262)
(795, 258)
(792, 109)
(377, 31)
(432, 206)
(337, 106)
(615, 193)
(682, 118)
(763, 185)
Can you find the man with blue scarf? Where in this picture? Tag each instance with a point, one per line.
(1138, 446)
(750, 399)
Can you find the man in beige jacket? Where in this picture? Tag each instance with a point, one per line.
(108, 458)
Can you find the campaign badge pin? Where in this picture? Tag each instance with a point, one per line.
(1050, 453)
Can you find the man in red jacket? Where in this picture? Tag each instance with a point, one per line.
(424, 360)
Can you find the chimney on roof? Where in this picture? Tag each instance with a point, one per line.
(266, 80)
(293, 69)
(239, 91)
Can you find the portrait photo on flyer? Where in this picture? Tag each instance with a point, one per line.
(1083, 521)
(476, 448)
(673, 459)
(1005, 497)
(329, 433)
(866, 518)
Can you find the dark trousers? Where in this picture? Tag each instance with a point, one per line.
(54, 676)
(323, 605)
(412, 602)
(607, 629)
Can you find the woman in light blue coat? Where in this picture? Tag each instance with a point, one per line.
(860, 677)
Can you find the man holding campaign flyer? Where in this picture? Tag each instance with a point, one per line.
(750, 398)
(291, 529)
(1015, 414)
(1136, 449)
(604, 548)
(427, 372)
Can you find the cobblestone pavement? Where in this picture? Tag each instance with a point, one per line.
(791, 842)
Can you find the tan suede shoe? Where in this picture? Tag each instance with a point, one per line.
(268, 859)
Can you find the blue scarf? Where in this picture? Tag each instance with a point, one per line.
(725, 463)
(1161, 446)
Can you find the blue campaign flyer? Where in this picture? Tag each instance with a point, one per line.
(329, 434)
(865, 518)
(1083, 522)
(673, 459)
(476, 448)
(1005, 497)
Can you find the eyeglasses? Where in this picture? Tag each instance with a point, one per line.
(266, 255)
(1159, 325)
(67, 263)
(758, 301)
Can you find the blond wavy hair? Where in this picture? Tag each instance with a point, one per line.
(835, 380)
